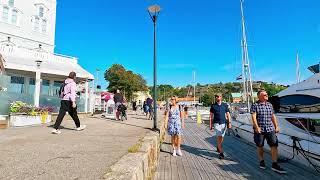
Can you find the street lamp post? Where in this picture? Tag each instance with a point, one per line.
(37, 84)
(154, 11)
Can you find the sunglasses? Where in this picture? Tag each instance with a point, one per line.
(173, 99)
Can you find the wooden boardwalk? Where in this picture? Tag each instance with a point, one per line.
(200, 160)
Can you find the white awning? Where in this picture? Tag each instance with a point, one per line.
(47, 66)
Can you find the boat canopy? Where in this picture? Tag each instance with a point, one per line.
(315, 68)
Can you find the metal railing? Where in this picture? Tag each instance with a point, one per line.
(35, 54)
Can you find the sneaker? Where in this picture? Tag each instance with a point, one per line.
(278, 169)
(174, 153)
(179, 153)
(221, 156)
(82, 127)
(262, 165)
(56, 131)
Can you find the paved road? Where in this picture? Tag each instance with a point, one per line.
(34, 153)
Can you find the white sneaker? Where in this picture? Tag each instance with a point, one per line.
(174, 153)
(179, 153)
(82, 127)
(56, 131)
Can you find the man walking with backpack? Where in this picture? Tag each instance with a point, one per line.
(67, 94)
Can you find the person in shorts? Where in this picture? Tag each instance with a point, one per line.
(220, 116)
(265, 126)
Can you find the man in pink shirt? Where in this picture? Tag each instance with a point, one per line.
(68, 104)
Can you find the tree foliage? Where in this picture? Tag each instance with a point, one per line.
(272, 88)
(126, 81)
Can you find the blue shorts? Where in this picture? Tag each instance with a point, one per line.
(220, 129)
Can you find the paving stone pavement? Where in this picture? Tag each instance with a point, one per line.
(35, 153)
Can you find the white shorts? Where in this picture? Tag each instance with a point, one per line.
(220, 129)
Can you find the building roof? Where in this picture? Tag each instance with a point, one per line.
(48, 67)
(24, 60)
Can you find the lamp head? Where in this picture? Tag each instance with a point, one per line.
(38, 63)
(154, 9)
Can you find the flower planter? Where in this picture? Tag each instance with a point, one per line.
(18, 120)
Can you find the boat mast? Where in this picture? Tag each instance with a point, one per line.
(298, 68)
(246, 73)
(194, 87)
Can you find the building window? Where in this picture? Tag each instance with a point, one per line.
(56, 87)
(5, 14)
(45, 88)
(14, 17)
(44, 26)
(17, 84)
(17, 80)
(11, 3)
(41, 11)
(32, 81)
(40, 22)
(36, 23)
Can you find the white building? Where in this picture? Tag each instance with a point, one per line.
(33, 72)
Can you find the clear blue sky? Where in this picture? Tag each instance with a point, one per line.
(202, 35)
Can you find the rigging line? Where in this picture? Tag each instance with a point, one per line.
(298, 149)
(302, 151)
(316, 167)
(278, 133)
(307, 131)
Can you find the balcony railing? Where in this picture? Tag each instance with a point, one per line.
(37, 54)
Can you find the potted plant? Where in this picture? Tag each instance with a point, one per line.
(22, 114)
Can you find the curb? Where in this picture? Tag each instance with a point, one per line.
(140, 165)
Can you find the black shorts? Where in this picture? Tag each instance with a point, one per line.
(271, 137)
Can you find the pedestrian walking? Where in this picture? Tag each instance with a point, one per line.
(149, 103)
(118, 100)
(174, 122)
(265, 126)
(221, 120)
(134, 107)
(68, 103)
(185, 108)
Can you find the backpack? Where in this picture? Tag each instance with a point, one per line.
(61, 90)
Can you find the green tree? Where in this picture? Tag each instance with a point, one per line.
(271, 88)
(206, 99)
(164, 91)
(126, 81)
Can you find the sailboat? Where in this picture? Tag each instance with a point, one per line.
(297, 110)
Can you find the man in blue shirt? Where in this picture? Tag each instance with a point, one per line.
(265, 126)
(220, 115)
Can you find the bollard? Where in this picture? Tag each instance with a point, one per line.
(199, 121)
